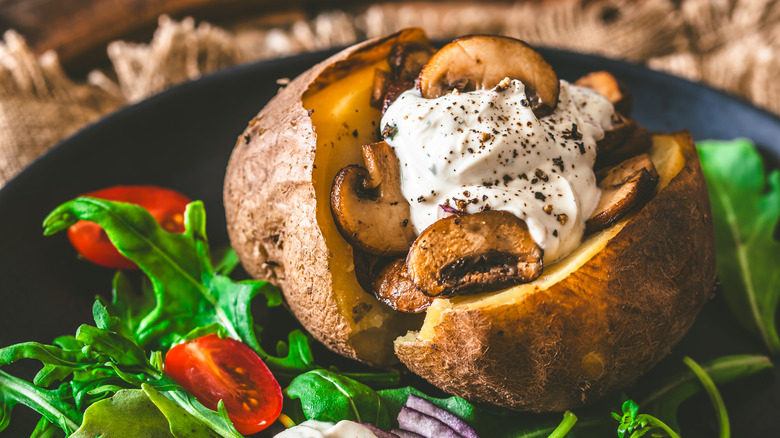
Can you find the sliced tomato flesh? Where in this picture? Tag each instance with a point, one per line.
(213, 369)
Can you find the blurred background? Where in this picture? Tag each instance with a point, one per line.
(66, 63)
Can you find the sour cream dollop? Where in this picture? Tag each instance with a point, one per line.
(487, 150)
(323, 429)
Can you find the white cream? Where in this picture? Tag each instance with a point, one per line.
(487, 150)
(322, 429)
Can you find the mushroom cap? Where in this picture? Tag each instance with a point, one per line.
(473, 252)
(481, 62)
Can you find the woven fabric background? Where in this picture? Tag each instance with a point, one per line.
(733, 45)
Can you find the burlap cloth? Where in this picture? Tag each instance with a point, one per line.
(730, 44)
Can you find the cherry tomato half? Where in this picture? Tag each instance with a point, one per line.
(166, 205)
(213, 368)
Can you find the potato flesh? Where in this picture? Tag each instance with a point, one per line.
(344, 121)
(668, 159)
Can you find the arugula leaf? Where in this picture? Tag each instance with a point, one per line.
(663, 397)
(128, 414)
(53, 404)
(182, 424)
(746, 209)
(328, 396)
(636, 424)
(169, 260)
(46, 429)
(128, 305)
(58, 362)
(714, 395)
(188, 291)
(217, 421)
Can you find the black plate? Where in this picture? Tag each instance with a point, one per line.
(182, 139)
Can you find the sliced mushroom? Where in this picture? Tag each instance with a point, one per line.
(382, 80)
(637, 142)
(393, 91)
(624, 187)
(370, 211)
(608, 86)
(386, 279)
(406, 61)
(622, 128)
(481, 62)
(393, 287)
(474, 252)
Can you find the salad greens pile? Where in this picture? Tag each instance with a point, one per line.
(108, 378)
(746, 208)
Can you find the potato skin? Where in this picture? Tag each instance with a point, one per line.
(270, 206)
(599, 328)
(270, 203)
(558, 348)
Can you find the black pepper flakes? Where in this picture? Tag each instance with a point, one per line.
(573, 133)
(558, 162)
(541, 175)
(540, 196)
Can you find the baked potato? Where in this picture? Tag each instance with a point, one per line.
(583, 326)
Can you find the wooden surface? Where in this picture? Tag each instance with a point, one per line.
(78, 30)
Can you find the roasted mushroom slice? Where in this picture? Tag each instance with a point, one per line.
(368, 206)
(637, 141)
(607, 85)
(474, 252)
(406, 61)
(624, 187)
(392, 286)
(481, 62)
(622, 128)
(387, 280)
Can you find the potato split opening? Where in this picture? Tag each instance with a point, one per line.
(344, 121)
(589, 325)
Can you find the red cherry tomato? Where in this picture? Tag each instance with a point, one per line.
(213, 368)
(167, 206)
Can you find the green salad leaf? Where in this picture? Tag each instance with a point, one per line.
(188, 291)
(634, 425)
(746, 209)
(55, 405)
(128, 414)
(662, 397)
(328, 396)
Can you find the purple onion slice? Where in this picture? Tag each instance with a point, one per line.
(379, 432)
(446, 211)
(422, 405)
(403, 433)
(425, 425)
